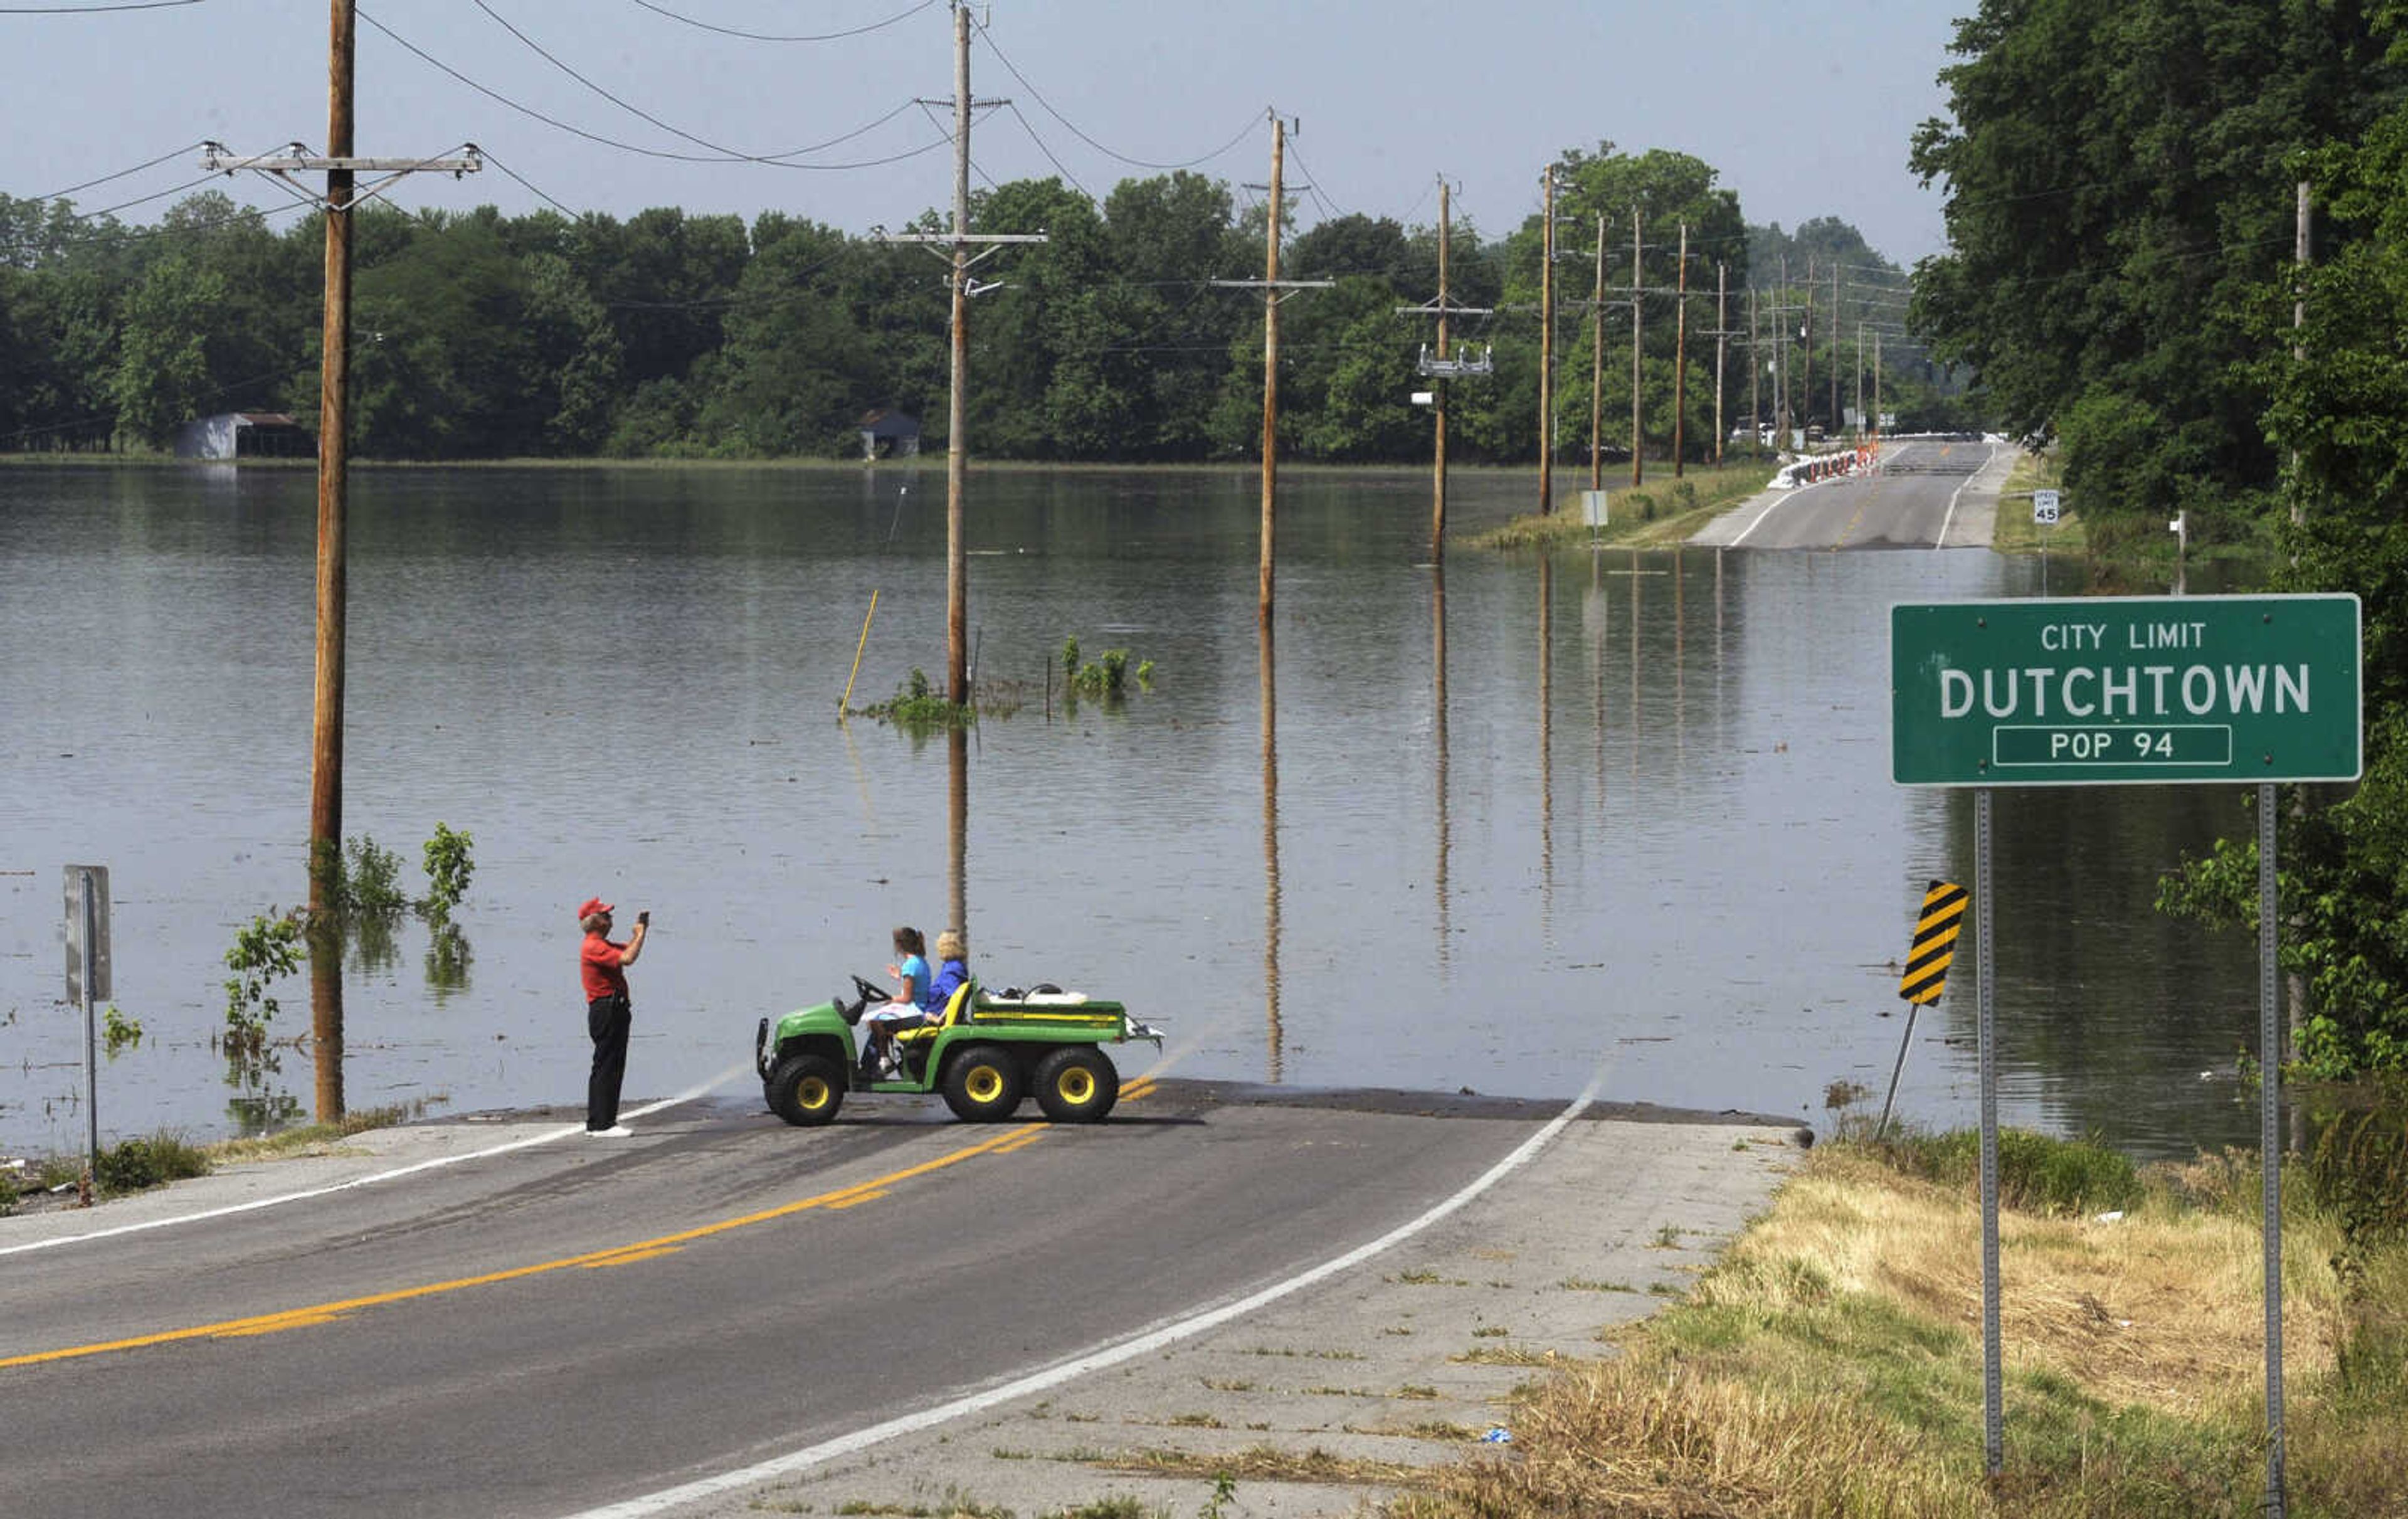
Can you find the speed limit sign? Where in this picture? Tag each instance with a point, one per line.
(2043, 506)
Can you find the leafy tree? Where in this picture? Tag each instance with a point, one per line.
(2118, 185)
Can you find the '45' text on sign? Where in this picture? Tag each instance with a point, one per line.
(2100, 690)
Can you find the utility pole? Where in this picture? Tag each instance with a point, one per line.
(1596, 366)
(1271, 372)
(1860, 381)
(341, 195)
(957, 588)
(1638, 453)
(1441, 368)
(1806, 339)
(1722, 351)
(333, 474)
(1438, 403)
(1834, 413)
(1877, 411)
(2302, 235)
(1547, 344)
(1780, 359)
(1755, 375)
(1271, 284)
(1681, 357)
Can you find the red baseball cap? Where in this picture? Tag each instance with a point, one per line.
(593, 905)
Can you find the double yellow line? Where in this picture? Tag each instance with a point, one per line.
(300, 1318)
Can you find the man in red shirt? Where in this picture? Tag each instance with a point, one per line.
(608, 1013)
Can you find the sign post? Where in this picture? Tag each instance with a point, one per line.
(1928, 959)
(2044, 517)
(87, 904)
(2124, 690)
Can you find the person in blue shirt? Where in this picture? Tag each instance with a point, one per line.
(909, 1006)
(953, 968)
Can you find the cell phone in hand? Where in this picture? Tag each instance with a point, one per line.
(645, 918)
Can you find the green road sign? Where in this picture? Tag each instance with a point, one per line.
(2124, 690)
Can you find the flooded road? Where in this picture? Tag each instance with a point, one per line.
(1496, 828)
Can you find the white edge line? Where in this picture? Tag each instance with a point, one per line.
(1790, 495)
(1946, 522)
(356, 1181)
(1096, 1360)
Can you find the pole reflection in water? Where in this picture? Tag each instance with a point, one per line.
(1596, 609)
(957, 827)
(326, 1018)
(1546, 748)
(1637, 726)
(1438, 734)
(1274, 1057)
(1719, 669)
(1679, 672)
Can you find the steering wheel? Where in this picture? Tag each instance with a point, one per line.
(871, 992)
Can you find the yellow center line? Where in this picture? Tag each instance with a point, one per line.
(294, 1318)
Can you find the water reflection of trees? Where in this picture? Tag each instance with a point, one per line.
(2082, 953)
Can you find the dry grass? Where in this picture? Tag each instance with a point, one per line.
(1830, 1365)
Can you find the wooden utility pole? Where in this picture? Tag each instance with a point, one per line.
(1806, 342)
(2302, 235)
(1781, 366)
(1440, 370)
(1438, 399)
(1755, 375)
(957, 414)
(1722, 350)
(1271, 372)
(1638, 325)
(957, 454)
(1832, 417)
(1547, 343)
(334, 419)
(1271, 284)
(1596, 366)
(1681, 356)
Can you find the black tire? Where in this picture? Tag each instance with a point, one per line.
(805, 1090)
(1077, 1084)
(984, 1084)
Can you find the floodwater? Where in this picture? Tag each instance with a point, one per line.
(1535, 822)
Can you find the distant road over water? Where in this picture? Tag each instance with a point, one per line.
(1929, 495)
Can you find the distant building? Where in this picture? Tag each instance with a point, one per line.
(887, 433)
(245, 435)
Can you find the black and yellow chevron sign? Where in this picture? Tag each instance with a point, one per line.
(1935, 944)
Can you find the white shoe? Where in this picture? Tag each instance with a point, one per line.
(616, 1131)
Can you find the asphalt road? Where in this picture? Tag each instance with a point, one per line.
(1926, 494)
(568, 1325)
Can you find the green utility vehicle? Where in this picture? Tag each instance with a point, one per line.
(986, 1054)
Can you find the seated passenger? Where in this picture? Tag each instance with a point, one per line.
(952, 970)
(908, 1008)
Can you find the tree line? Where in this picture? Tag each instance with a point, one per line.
(2124, 179)
(482, 336)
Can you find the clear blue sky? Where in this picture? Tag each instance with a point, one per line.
(1805, 108)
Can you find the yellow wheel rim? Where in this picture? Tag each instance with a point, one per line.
(985, 1083)
(811, 1094)
(1076, 1086)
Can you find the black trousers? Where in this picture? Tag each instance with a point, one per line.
(607, 1019)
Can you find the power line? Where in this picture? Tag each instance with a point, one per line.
(986, 36)
(766, 36)
(93, 10)
(179, 152)
(772, 160)
(1025, 125)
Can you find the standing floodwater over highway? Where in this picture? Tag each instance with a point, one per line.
(1642, 816)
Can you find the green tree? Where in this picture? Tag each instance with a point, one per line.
(2118, 186)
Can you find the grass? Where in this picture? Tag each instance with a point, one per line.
(1830, 1362)
(2014, 531)
(1261, 1463)
(1661, 512)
